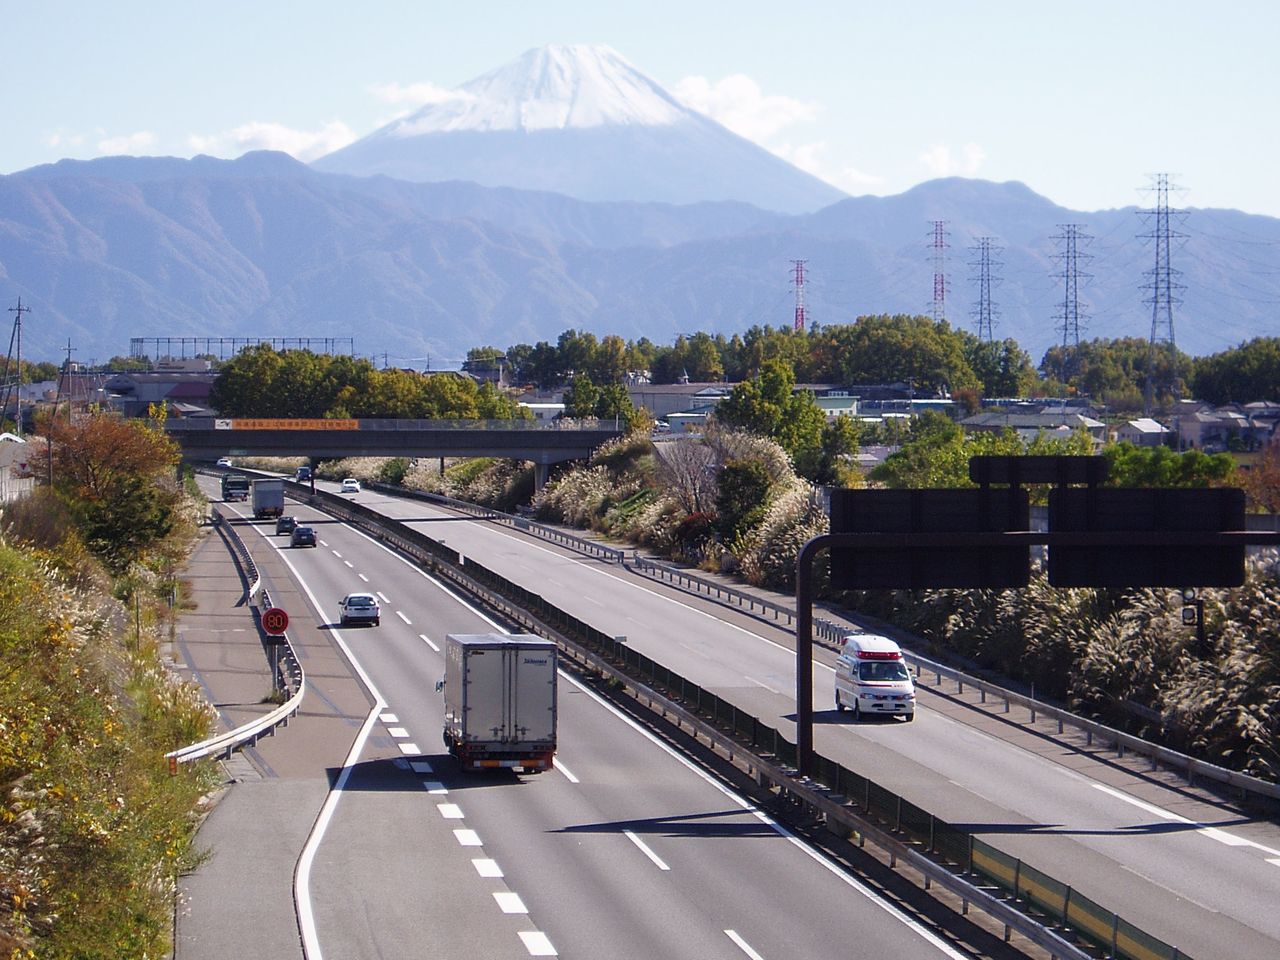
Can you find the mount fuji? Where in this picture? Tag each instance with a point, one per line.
(579, 121)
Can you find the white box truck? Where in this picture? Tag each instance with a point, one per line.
(268, 498)
(500, 701)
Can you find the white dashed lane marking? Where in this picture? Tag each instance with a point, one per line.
(389, 718)
(537, 943)
(349, 564)
(657, 861)
(450, 811)
(487, 868)
(363, 577)
(427, 640)
(382, 595)
(409, 749)
(420, 766)
(742, 945)
(398, 732)
(510, 902)
(404, 618)
(568, 774)
(468, 838)
(434, 786)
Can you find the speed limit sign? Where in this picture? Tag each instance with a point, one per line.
(275, 621)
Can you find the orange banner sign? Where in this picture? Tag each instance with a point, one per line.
(241, 423)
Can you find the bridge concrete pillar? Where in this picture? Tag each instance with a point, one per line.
(541, 473)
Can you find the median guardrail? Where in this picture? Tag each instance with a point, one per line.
(290, 676)
(1046, 911)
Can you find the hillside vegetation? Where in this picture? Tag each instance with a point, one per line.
(93, 829)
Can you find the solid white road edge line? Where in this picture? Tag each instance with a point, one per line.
(742, 945)
(1214, 833)
(302, 873)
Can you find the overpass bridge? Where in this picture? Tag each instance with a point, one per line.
(542, 443)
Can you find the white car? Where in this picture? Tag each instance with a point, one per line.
(225, 462)
(359, 608)
(350, 485)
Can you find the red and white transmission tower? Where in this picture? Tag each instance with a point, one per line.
(797, 274)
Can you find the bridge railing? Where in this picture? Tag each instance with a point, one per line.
(200, 424)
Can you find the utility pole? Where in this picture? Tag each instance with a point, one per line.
(797, 273)
(1072, 313)
(19, 310)
(1163, 286)
(938, 244)
(984, 311)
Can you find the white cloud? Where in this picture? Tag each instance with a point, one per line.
(940, 160)
(813, 158)
(416, 94)
(134, 143)
(304, 145)
(854, 178)
(61, 139)
(739, 104)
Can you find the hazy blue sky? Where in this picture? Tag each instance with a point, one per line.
(1079, 101)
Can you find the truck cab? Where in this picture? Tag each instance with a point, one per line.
(872, 678)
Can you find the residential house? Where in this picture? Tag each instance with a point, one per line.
(1030, 425)
(1143, 432)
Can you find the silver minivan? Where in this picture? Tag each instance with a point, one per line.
(872, 678)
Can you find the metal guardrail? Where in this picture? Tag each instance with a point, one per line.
(290, 670)
(829, 795)
(827, 630)
(833, 633)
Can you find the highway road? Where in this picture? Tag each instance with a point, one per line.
(623, 850)
(1198, 874)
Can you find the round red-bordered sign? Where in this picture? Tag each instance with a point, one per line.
(275, 621)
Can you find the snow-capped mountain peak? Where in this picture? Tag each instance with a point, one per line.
(555, 87)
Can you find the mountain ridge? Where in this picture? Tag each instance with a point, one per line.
(262, 246)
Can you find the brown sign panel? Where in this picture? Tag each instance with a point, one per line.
(1137, 511)
(929, 512)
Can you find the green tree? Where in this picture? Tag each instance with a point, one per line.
(1130, 466)
(768, 405)
(581, 398)
(742, 497)
(1244, 374)
(885, 349)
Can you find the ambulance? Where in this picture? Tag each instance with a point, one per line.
(872, 678)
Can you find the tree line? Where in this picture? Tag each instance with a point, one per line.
(931, 357)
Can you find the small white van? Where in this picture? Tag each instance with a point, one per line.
(872, 678)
